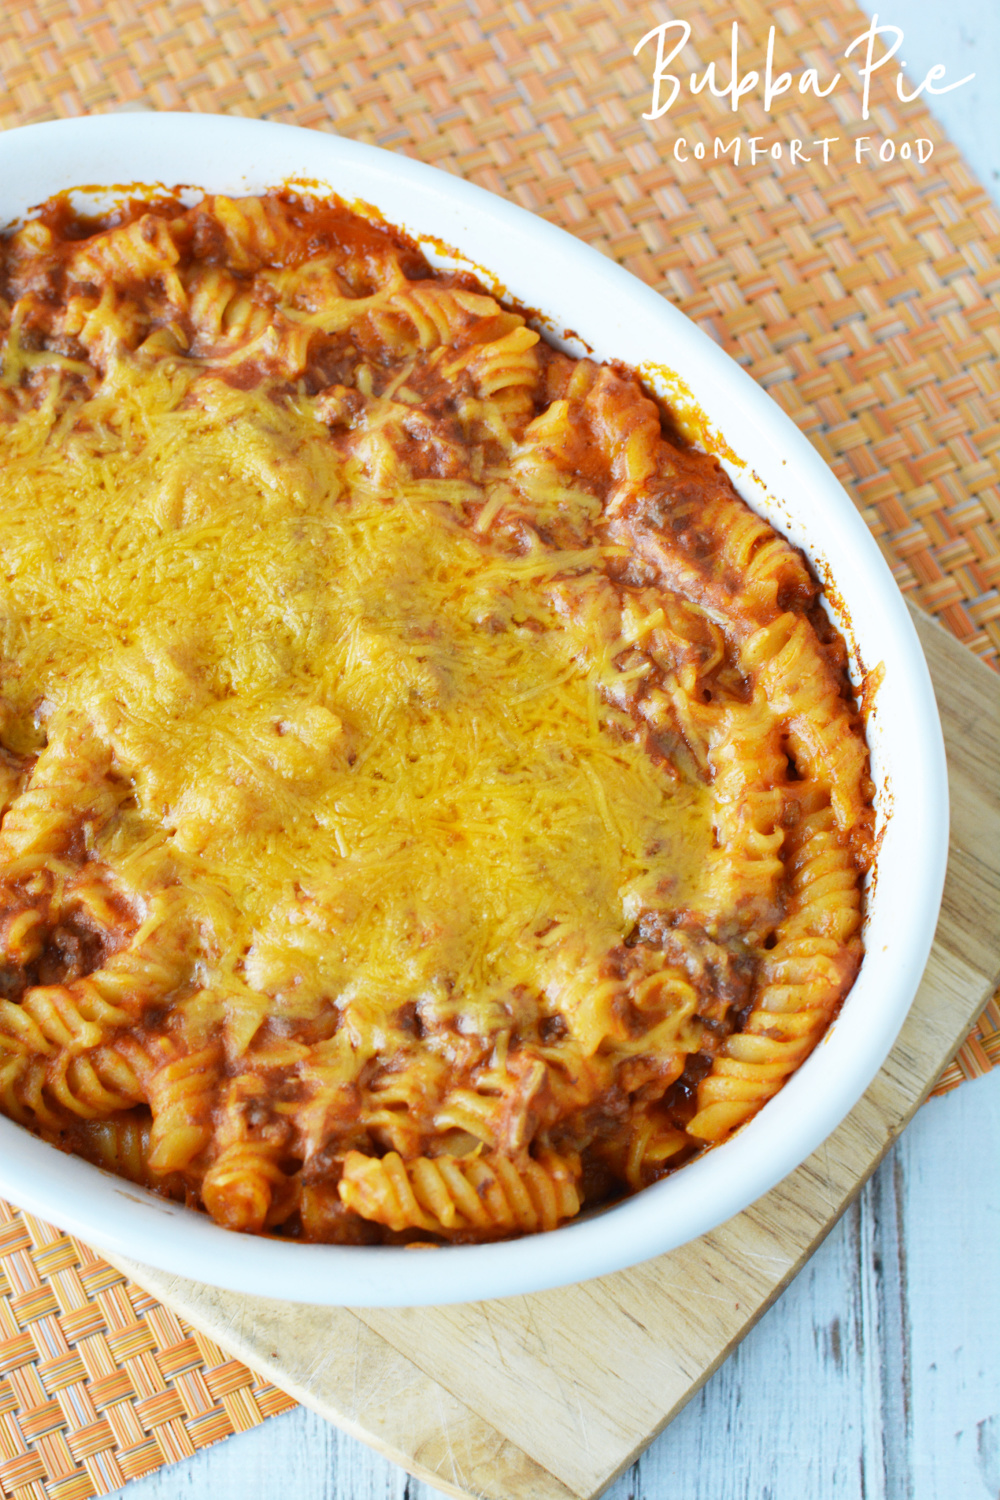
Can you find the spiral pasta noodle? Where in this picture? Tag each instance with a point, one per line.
(449, 1195)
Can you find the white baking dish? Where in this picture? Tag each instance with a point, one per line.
(778, 472)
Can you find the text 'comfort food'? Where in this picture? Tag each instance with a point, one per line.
(432, 800)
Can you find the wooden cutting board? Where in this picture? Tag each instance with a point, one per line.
(551, 1396)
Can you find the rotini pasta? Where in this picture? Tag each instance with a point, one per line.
(431, 802)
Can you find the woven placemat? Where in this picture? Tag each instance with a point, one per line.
(99, 1382)
(864, 297)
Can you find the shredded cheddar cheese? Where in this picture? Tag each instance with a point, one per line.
(363, 744)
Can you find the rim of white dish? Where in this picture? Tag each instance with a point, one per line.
(220, 153)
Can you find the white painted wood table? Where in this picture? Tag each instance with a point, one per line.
(877, 1375)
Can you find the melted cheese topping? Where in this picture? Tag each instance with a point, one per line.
(364, 740)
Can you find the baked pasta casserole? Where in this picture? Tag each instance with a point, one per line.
(432, 800)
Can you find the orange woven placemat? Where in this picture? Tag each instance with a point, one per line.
(99, 1382)
(865, 299)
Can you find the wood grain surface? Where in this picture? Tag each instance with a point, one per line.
(442, 1391)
